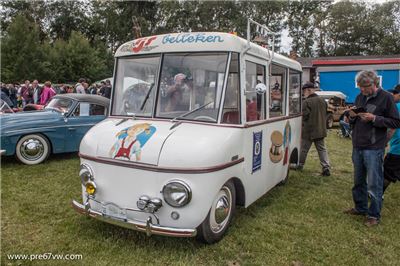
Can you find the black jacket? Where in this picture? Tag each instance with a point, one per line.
(372, 135)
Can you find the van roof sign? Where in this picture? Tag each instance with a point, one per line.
(198, 42)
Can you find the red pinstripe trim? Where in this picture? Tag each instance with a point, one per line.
(154, 168)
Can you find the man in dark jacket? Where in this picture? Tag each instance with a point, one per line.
(375, 112)
(314, 127)
(37, 91)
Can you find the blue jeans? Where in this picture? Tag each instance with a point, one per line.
(345, 128)
(368, 178)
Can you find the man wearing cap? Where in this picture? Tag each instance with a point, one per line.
(314, 127)
(391, 164)
(377, 113)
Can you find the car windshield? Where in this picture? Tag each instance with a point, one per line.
(62, 105)
(190, 86)
(5, 108)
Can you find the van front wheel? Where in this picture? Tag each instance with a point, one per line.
(213, 228)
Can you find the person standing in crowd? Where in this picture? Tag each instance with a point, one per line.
(79, 86)
(37, 91)
(375, 112)
(63, 89)
(5, 90)
(93, 89)
(13, 94)
(391, 164)
(107, 89)
(19, 96)
(102, 85)
(5, 95)
(69, 89)
(86, 87)
(314, 128)
(47, 93)
(27, 93)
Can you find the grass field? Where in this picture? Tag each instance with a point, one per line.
(300, 223)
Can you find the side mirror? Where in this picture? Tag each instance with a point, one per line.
(261, 88)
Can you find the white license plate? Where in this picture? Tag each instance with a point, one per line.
(114, 211)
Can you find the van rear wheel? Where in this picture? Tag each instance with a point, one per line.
(213, 228)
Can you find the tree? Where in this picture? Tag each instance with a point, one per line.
(348, 28)
(34, 11)
(22, 56)
(114, 22)
(67, 16)
(385, 28)
(301, 24)
(76, 58)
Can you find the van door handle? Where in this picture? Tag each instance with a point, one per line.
(71, 128)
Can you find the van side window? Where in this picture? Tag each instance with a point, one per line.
(294, 92)
(231, 111)
(255, 103)
(277, 84)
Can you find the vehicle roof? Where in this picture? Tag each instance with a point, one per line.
(85, 98)
(199, 42)
(338, 94)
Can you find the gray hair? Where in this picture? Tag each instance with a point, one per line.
(367, 78)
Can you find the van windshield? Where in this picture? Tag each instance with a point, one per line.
(135, 80)
(190, 86)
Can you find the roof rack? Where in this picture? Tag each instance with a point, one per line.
(263, 36)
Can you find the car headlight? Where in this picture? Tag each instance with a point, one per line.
(177, 193)
(85, 173)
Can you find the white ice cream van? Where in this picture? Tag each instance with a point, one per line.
(210, 122)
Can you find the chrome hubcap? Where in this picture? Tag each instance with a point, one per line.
(221, 210)
(32, 149)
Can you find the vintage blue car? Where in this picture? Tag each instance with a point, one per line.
(59, 127)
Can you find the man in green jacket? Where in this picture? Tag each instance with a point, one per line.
(314, 127)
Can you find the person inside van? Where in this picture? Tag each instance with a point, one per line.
(175, 93)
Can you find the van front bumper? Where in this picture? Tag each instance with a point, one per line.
(147, 227)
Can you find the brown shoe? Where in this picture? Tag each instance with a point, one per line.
(370, 222)
(353, 211)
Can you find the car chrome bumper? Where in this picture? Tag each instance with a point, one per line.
(147, 227)
(2, 152)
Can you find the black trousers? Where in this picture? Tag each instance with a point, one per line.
(391, 167)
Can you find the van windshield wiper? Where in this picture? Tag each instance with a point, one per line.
(175, 119)
(147, 97)
(133, 115)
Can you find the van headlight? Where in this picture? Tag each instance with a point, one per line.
(87, 179)
(177, 193)
(85, 173)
